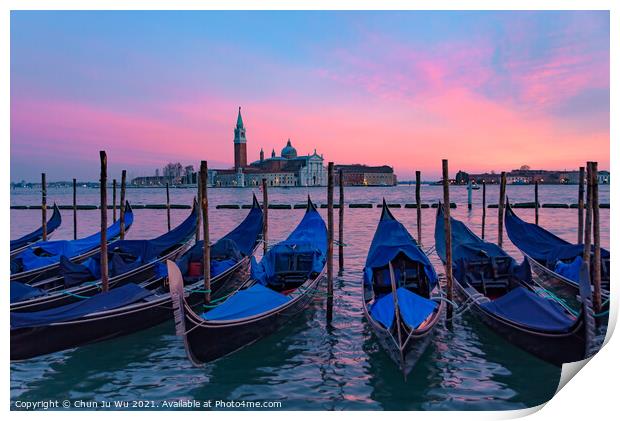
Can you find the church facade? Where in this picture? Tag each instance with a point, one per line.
(286, 170)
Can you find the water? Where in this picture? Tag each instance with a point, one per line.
(306, 365)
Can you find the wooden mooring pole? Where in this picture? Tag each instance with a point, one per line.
(536, 202)
(114, 200)
(206, 256)
(265, 217)
(484, 206)
(500, 210)
(596, 234)
(418, 205)
(587, 243)
(44, 207)
(580, 205)
(122, 204)
(341, 223)
(103, 180)
(74, 209)
(330, 240)
(199, 201)
(168, 204)
(447, 233)
(469, 195)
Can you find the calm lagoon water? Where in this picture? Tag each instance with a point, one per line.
(307, 365)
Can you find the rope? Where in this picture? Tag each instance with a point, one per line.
(75, 295)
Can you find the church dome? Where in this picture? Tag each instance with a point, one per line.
(289, 151)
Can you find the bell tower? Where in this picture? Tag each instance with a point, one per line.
(241, 155)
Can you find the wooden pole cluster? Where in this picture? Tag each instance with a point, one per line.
(330, 240)
(206, 256)
(596, 237)
(580, 204)
(418, 204)
(447, 232)
(341, 223)
(44, 206)
(114, 200)
(168, 205)
(536, 202)
(122, 205)
(74, 209)
(265, 217)
(103, 180)
(500, 210)
(484, 206)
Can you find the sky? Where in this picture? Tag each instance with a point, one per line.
(490, 91)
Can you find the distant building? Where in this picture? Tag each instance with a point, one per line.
(286, 170)
(603, 177)
(364, 175)
(525, 175)
(462, 177)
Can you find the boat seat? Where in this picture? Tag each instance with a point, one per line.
(488, 273)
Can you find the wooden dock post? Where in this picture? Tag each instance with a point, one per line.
(484, 206)
(330, 240)
(500, 210)
(418, 205)
(587, 244)
(74, 209)
(341, 223)
(206, 255)
(44, 207)
(596, 238)
(536, 202)
(580, 204)
(265, 216)
(199, 201)
(469, 195)
(122, 204)
(103, 180)
(168, 205)
(114, 200)
(447, 233)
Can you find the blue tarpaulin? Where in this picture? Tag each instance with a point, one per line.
(47, 253)
(248, 302)
(414, 309)
(529, 309)
(53, 223)
(391, 239)
(540, 244)
(21, 291)
(467, 246)
(304, 250)
(115, 298)
(569, 270)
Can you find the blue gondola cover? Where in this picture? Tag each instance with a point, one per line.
(53, 223)
(115, 298)
(414, 309)
(529, 309)
(245, 303)
(46, 253)
(21, 291)
(392, 238)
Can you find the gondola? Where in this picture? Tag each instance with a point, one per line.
(281, 286)
(555, 261)
(502, 295)
(42, 260)
(131, 308)
(21, 243)
(398, 275)
(136, 261)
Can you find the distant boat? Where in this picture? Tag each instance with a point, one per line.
(475, 186)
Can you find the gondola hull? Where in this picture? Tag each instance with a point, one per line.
(143, 274)
(32, 342)
(554, 348)
(415, 346)
(207, 341)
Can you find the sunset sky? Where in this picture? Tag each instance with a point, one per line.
(487, 90)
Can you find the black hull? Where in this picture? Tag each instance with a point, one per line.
(554, 348)
(207, 341)
(416, 345)
(146, 273)
(32, 342)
